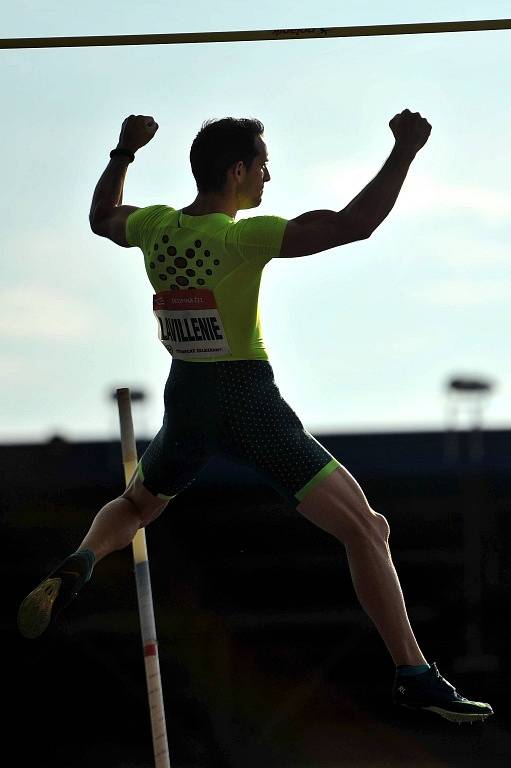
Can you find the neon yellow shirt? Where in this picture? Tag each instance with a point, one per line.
(211, 257)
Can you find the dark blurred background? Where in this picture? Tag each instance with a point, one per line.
(266, 657)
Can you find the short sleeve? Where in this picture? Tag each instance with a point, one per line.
(257, 239)
(141, 223)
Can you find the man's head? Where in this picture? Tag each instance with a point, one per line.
(228, 158)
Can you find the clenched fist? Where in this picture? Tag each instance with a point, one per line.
(136, 131)
(410, 130)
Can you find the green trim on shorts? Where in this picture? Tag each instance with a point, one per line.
(140, 473)
(318, 477)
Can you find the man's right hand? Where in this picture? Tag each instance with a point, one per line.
(410, 130)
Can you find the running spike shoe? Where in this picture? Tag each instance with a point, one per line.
(431, 692)
(47, 601)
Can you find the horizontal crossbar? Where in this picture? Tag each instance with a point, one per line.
(254, 35)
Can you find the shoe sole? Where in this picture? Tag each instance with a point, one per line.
(34, 614)
(460, 717)
(453, 717)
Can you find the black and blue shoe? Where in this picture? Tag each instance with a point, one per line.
(431, 692)
(47, 601)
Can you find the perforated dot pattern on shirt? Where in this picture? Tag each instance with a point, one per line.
(189, 268)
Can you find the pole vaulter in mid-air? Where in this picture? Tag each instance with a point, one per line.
(221, 397)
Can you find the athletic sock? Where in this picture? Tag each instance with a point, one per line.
(409, 670)
(86, 559)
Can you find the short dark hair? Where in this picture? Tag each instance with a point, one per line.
(218, 146)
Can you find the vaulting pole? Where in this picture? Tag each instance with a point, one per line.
(144, 595)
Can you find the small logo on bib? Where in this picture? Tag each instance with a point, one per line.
(189, 324)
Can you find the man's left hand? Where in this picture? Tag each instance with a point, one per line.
(137, 131)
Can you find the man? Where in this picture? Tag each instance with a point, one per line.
(221, 395)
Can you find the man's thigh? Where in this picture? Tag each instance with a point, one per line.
(338, 505)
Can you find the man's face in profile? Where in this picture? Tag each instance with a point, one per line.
(251, 191)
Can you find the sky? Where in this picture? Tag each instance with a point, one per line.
(362, 338)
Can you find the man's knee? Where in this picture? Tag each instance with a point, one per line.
(382, 526)
(148, 505)
(365, 526)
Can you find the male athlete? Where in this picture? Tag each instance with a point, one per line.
(221, 396)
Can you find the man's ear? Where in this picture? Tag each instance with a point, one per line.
(240, 169)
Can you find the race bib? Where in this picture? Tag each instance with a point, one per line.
(189, 324)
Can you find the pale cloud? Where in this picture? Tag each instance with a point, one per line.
(48, 253)
(424, 192)
(421, 192)
(463, 292)
(40, 313)
(13, 367)
(461, 251)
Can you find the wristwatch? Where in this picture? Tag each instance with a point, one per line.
(121, 151)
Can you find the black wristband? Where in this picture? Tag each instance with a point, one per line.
(121, 151)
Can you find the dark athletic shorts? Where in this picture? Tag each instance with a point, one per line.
(236, 410)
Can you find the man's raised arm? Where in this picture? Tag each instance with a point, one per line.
(309, 233)
(107, 214)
